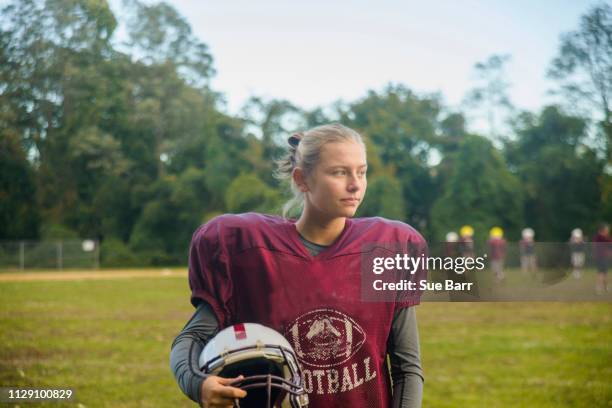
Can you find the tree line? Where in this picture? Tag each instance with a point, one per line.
(129, 143)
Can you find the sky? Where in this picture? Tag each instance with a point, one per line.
(313, 53)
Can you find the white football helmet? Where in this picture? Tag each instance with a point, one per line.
(577, 233)
(452, 237)
(528, 233)
(272, 375)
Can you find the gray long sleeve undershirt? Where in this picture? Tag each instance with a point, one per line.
(403, 347)
(405, 356)
(186, 350)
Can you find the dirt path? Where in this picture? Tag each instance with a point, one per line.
(93, 275)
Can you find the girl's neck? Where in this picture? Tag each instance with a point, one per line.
(318, 229)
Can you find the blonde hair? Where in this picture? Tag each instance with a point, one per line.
(304, 151)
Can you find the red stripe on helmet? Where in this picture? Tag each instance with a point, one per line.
(240, 331)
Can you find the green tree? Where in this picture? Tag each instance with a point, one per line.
(316, 117)
(114, 206)
(383, 198)
(55, 82)
(481, 192)
(173, 207)
(491, 93)
(403, 127)
(19, 216)
(271, 122)
(562, 176)
(226, 157)
(249, 193)
(160, 35)
(583, 67)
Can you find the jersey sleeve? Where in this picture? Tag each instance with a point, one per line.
(210, 277)
(416, 247)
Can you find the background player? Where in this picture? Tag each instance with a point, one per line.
(527, 251)
(497, 252)
(451, 245)
(601, 253)
(577, 251)
(466, 244)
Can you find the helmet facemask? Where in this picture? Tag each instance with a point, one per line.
(272, 376)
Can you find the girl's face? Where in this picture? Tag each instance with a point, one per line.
(338, 183)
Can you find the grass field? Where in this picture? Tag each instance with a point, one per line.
(109, 340)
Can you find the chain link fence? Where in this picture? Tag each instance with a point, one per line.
(63, 254)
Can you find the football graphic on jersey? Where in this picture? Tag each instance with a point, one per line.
(325, 337)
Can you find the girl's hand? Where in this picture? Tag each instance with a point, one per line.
(217, 393)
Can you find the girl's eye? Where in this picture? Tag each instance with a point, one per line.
(339, 173)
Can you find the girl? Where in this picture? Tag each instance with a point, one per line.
(302, 278)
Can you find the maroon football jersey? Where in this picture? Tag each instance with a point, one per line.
(253, 268)
(602, 247)
(497, 248)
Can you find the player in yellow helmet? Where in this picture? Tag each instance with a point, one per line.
(466, 243)
(497, 252)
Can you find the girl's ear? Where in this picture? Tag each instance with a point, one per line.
(299, 179)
